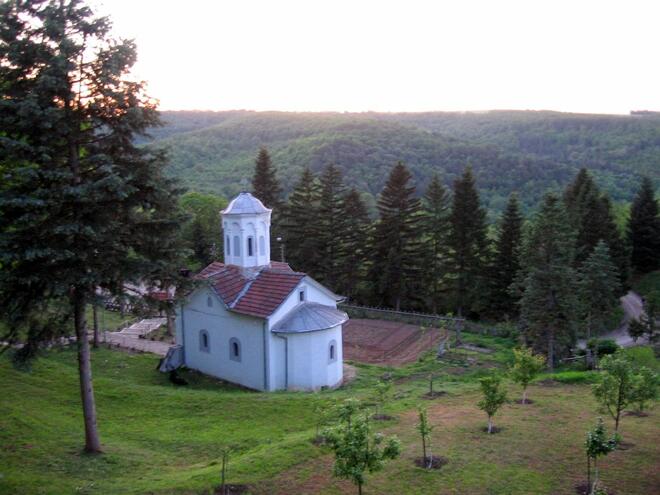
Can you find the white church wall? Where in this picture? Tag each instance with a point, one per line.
(312, 294)
(221, 326)
(309, 363)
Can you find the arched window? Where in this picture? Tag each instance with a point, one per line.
(204, 341)
(250, 246)
(235, 349)
(209, 302)
(262, 245)
(332, 352)
(237, 246)
(228, 246)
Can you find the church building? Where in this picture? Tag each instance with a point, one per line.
(256, 322)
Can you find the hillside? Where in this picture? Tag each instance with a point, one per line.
(528, 152)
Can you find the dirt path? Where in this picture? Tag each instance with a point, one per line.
(633, 308)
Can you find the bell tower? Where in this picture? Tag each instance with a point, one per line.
(246, 230)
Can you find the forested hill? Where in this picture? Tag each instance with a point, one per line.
(528, 152)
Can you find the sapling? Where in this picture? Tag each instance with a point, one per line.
(494, 397)
(223, 470)
(425, 429)
(645, 388)
(597, 445)
(525, 367)
(358, 451)
(614, 388)
(383, 393)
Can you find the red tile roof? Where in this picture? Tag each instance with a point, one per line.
(257, 295)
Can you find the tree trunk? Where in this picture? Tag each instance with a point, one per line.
(490, 424)
(359, 488)
(524, 397)
(424, 448)
(459, 327)
(170, 320)
(92, 442)
(589, 472)
(551, 350)
(96, 325)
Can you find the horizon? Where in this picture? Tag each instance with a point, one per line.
(593, 57)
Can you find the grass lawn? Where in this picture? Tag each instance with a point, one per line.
(163, 439)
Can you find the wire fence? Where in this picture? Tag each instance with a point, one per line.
(409, 317)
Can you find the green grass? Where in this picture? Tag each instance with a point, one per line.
(163, 439)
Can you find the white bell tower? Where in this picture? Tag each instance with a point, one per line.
(246, 227)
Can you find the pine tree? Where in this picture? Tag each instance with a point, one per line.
(469, 244)
(265, 185)
(644, 229)
(598, 280)
(394, 271)
(548, 304)
(591, 214)
(352, 241)
(331, 225)
(266, 188)
(436, 227)
(82, 206)
(301, 225)
(506, 261)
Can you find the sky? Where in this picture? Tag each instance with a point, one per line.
(408, 55)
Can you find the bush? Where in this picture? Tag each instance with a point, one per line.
(603, 347)
(570, 377)
(642, 356)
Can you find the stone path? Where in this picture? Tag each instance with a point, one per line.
(129, 338)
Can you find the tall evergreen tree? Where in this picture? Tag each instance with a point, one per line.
(265, 185)
(331, 224)
(301, 225)
(591, 214)
(436, 227)
(644, 229)
(469, 244)
(82, 206)
(394, 270)
(352, 253)
(506, 261)
(598, 280)
(548, 306)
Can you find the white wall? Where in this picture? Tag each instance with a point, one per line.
(221, 326)
(308, 359)
(312, 294)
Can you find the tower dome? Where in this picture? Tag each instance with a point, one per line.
(246, 227)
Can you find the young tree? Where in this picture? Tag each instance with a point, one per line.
(468, 242)
(648, 324)
(645, 388)
(331, 225)
(644, 229)
(425, 430)
(494, 397)
(383, 395)
(598, 289)
(614, 390)
(435, 225)
(357, 450)
(526, 366)
(82, 206)
(548, 304)
(597, 445)
(352, 241)
(395, 262)
(506, 261)
(301, 224)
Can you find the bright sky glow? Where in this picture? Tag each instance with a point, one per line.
(578, 55)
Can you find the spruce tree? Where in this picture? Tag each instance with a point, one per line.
(82, 206)
(395, 269)
(469, 244)
(548, 305)
(644, 229)
(331, 225)
(265, 185)
(592, 217)
(352, 252)
(598, 284)
(506, 260)
(436, 227)
(301, 225)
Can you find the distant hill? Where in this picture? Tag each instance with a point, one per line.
(528, 152)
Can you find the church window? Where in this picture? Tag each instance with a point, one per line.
(250, 247)
(262, 245)
(209, 302)
(235, 349)
(204, 342)
(332, 352)
(237, 246)
(228, 246)
(301, 295)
